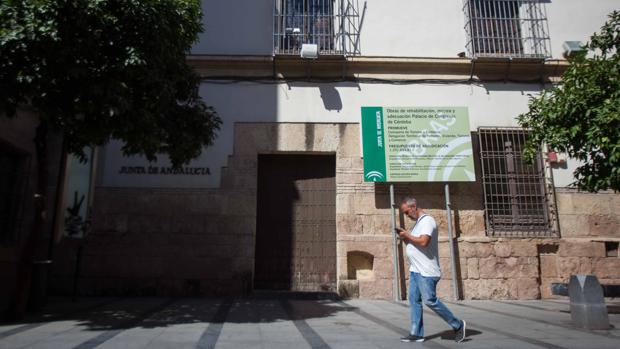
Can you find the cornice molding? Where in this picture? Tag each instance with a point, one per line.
(389, 68)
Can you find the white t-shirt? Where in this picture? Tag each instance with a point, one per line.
(424, 260)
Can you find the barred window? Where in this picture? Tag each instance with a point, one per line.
(333, 25)
(506, 28)
(13, 179)
(516, 195)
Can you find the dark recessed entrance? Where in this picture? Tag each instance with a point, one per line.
(296, 223)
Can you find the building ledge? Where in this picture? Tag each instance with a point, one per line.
(374, 67)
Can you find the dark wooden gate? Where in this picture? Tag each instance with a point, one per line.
(296, 223)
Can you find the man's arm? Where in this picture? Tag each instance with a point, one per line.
(422, 240)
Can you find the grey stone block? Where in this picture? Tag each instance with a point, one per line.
(587, 305)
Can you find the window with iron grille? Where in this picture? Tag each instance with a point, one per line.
(516, 194)
(506, 28)
(13, 178)
(333, 25)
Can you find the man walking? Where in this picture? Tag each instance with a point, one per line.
(424, 272)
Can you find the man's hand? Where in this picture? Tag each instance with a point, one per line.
(420, 241)
(402, 233)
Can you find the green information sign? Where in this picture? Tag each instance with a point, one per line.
(417, 144)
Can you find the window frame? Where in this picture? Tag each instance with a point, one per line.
(333, 25)
(506, 28)
(518, 197)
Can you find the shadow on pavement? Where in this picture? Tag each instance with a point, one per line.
(449, 335)
(125, 313)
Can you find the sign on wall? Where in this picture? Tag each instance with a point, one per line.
(137, 172)
(417, 144)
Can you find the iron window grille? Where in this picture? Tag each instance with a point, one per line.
(13, 183)
(333, 25)
(506, 28)
(517, 195)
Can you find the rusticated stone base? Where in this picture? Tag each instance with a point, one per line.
(525, 269)
(201, 242)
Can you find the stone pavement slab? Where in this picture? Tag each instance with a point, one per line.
(288, 322)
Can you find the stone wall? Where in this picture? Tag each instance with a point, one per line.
(489, 267)
(191, 242)
(501, 268)
(588, 222)
(493, 268)
(201, 242)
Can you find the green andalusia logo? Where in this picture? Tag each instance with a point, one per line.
(375, 176)
(373, 133)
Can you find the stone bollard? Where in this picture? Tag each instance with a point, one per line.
(587, 305)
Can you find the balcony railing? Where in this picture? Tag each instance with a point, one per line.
(506, 28)
(333, 25)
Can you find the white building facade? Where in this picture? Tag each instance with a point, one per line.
(280, 202)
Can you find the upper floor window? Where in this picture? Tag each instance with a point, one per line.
(506, 28)
(333, 25)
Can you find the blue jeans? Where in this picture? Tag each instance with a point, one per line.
(422, 289)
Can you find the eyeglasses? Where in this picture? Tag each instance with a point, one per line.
(407, 210)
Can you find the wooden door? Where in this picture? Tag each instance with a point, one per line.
(296, 223)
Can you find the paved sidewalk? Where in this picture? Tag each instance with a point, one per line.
(296, 323)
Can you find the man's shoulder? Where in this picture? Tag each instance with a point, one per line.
(428, 218)
(427, 224)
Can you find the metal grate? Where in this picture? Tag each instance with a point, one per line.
(506, 28)
(333, 25)
(516, 198)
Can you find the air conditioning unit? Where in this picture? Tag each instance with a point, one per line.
(572, 48)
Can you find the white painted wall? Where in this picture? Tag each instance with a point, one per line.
(576, 20)
(563, 175)
(413, 28)
(489, 105)
(404, 28)
(236, 27)
(399, 28)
